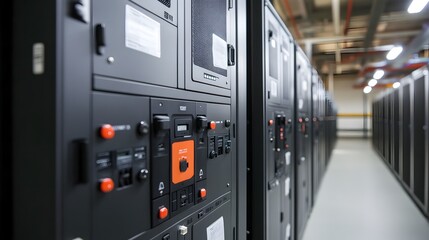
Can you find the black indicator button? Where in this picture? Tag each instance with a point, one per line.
(227, 123)
(143, 128)
(143, 174)
(212, 154)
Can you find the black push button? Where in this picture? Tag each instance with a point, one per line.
(143, 128)
(143, 174)
(227, 123)
(212, 154)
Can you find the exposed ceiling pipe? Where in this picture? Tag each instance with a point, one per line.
(411, 65)
(325, 40)
(309, 7)
(292, 19)
(336, 16)
(303, 8)
(348, 17)
(376, 11)
(416, 45)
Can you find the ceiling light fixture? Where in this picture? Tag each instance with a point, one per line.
(367, 89)
(417, 6)
(378, 74)
(372, 82)
(396, 85)
(394, 52)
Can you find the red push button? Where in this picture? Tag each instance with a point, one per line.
(107, 131)
(212, 125)
(270, 122)
(163, 213)
(203, 193)
(106, 185)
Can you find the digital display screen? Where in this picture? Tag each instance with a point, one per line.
(182, 128)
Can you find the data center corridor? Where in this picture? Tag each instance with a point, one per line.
(360, 199)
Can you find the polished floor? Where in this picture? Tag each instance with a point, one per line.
(360, 199)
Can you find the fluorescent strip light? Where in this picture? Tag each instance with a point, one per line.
(417, 6)
(367, 89)
(396, 85)
(394, 52)
(372, 83)
(378, 74)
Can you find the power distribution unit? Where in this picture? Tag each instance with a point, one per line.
(126, 120)
(303, 144)
(271, 123)
(403, 144)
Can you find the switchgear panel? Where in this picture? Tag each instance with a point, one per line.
(303, 140)
(138, 107)
(271, 111)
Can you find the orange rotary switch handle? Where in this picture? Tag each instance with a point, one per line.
(107, 131)
(106, 185)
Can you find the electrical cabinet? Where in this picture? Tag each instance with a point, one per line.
(303, 145)
(318, 161)
(126, 120)
(271, 125)
(403, 146)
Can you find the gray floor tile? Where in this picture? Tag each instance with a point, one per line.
(360, 199)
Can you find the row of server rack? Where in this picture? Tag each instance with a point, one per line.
(400, 135)
(158, 120)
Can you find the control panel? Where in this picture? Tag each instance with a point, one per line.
(161, 162)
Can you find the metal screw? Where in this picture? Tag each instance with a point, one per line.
(227, 185)
(110, 60)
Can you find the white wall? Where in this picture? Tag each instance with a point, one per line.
(350, 100)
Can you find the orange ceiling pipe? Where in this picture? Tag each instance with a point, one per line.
(292, 19)
(392, 69)
(348, 17)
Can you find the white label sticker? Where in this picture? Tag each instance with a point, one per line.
(274, 87)
(287, 232)
(285, 55)
(142, 33)
(216, 231)
(38, 58)
(304, 86)
(220, 52)
(287, 186)
(287, 157)
(273, 42)
(300, 103)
